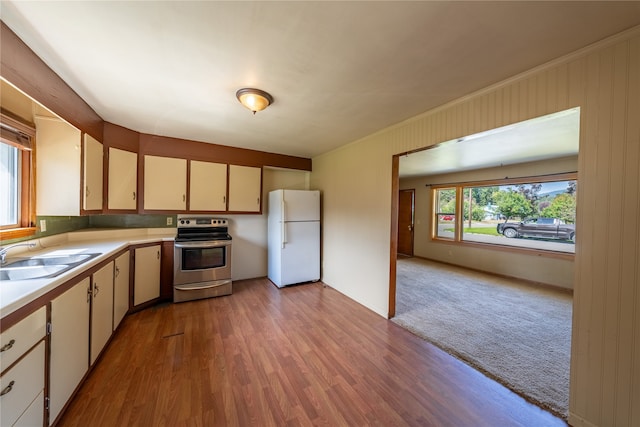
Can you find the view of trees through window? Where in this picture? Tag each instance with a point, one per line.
(538, 215)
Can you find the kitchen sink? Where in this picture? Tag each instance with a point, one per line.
(39, 267)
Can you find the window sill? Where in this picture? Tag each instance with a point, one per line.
(17, 233)
(512, 249)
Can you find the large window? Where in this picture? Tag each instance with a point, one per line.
(537, 214)
(16, 181)
(445, 207)
(9, 185)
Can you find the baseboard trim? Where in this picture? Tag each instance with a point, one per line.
(505, 276)
(578, 421)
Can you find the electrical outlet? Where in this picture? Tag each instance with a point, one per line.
(43, 225)
(169, 220)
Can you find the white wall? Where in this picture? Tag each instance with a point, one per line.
(542, 269)
(604, 81)
(249, 232)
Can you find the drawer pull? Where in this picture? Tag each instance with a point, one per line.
(8, 346)
(7, 389)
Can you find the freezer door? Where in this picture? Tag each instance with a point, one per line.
(300, 257)
(301, 205)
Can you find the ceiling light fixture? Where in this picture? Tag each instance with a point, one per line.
(254, 99)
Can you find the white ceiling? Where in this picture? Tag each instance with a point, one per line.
(552, 136)
(338, 71)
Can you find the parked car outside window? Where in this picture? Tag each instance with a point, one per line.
(542, 228)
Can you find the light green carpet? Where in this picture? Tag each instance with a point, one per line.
(515, 333)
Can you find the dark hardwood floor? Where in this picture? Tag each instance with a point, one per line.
(297, 356)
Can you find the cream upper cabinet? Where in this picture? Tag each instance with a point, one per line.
(207, 186)
(244, 188)
(123, 175)
(93, 166)
(57, 167)
(165, 183)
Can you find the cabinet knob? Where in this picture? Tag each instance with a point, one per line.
(134, 195)
(7, 346)
(96, 290)
(117, 271)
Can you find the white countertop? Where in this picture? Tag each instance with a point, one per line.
(15, 294)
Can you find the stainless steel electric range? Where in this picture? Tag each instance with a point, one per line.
(202, 259)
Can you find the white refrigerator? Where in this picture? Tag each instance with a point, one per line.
(293, 237)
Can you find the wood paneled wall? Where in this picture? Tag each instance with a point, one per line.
(604, 81)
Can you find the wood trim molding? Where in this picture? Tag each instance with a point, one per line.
(203, 151)
(393, 247)
(25, 70)
(120, 137)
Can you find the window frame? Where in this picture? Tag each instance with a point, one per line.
(458, 222)
(25, 226)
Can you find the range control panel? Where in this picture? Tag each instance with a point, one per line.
(202, 222)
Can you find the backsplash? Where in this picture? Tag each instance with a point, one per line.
(132, 221)
(64, 224)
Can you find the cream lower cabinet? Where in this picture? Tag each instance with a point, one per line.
(165, 183)
(101, 309)
(69, 358)
(245, 187)
(22, 400)
(22, 383)
(146, 282)
(122, 179)
(120, 289)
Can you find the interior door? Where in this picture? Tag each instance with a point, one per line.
(405, 222)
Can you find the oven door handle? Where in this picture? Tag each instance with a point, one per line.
(198, 288)
(215, 244)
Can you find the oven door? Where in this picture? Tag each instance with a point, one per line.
(201, 261)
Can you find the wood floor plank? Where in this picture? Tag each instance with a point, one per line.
(302, 355)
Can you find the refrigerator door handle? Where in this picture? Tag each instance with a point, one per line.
(283, 232)
(284, 211)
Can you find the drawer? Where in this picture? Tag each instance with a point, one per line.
(19, 338)
(34, 415)
(21, 385)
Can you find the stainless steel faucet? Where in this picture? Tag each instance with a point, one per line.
(3, 251)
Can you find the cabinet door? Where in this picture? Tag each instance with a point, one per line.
(69, 358)
(146, 283)
(244, 188)
(101, 309)
(57, 167)
(123, 175)
(208, 186)
(93, 154)
(165, 183)
(120, 289)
